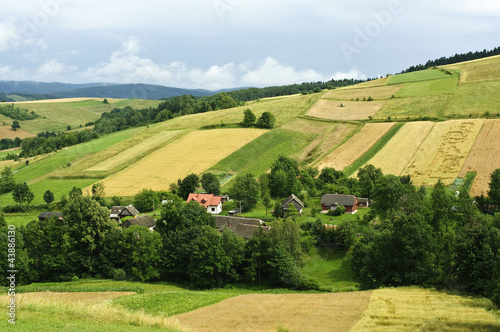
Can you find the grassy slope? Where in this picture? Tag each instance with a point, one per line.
(56, 116)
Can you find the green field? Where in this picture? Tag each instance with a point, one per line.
(264, 150)
(429, 88)
(56, 116)
(416, 76)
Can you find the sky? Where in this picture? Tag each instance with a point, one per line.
(216, 44)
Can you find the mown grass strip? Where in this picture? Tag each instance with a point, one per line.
(348, 171)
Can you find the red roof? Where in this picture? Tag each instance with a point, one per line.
(205, 199)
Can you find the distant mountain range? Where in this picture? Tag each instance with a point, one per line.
(43, 90)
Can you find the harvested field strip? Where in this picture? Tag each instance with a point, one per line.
(412, 309)
(293, 312)
(443, 152)
(345, 110)
(379, 92)
(7, 132)
(353, 149)
(192, 153)
(484, 157)
(351, 169)
(399, 151)
(135, 151)
(421, 75)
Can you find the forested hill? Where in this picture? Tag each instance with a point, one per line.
(454, 59)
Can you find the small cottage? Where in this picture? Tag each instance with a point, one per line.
(332, 201)
(292, 199)
(119, 212)
(144, 220)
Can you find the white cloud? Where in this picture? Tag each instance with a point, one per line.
(8, 35)
(52, 70)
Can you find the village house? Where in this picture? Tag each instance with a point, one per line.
(144, 220)
(292, 199)
(332, 201)
(47, 215)
(119, 212)
(243, 227)
(212, 203)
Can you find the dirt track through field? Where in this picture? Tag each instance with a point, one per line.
(484, 157)
(268, 312)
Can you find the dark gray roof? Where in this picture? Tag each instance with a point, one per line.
(332, 199)
(227, 221)
(144, 220)
(294, 200)
(243, 227)
(123, 211)
(248, 231)
(48, 214)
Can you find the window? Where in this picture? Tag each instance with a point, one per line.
(213, 209)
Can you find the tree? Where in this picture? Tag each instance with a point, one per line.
(266, 201)
(15, 125)
(90, 236)
(98, 191)
(266, 121)
(248, 119)
(187, 185)
(48, 197)
(142, 248)
(146, 200)
(75, 192)
(494, 191)
(22, 193)
(210, 183)
(245, 189)
(7, 181)
(441, 205)
(105, 101)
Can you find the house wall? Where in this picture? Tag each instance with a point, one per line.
(218, 209)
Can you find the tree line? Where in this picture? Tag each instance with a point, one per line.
(17, 113)
(454, 59)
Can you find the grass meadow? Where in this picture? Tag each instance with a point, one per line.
(257, 156)
(57, 115)
(416, 76)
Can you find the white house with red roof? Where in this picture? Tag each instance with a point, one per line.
(212, 203)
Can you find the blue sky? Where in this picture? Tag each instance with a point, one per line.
(214, 44)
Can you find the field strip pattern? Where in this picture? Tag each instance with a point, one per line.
(354, 148)
(193, 153)
(350, 110)
(407, 309)
(134, 151)
(268, 312)
(484, 157)
(399, 151)
(443, 152)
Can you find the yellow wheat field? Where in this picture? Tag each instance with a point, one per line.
(290, 312)
(399, 151)
(484, 157)
(354, 148)
(192, 153)
(413, 309)
(134, 151)
(378, 92)
(443, 152)
(350, 110)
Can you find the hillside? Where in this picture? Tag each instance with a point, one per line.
(455, 105)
